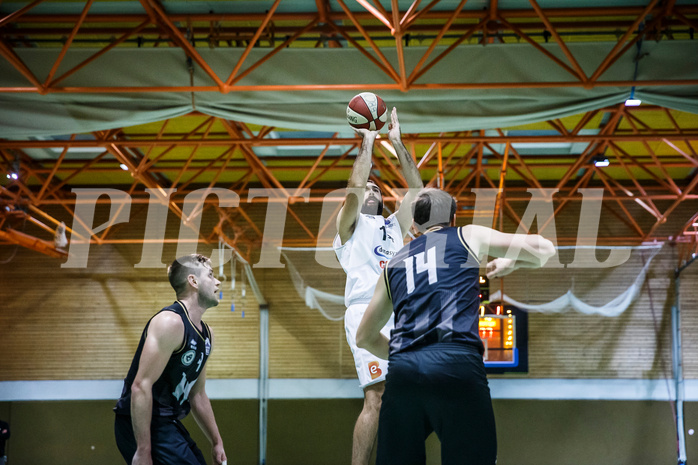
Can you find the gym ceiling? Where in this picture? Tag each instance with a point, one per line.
(77, 54)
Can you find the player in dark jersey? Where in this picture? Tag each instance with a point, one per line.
(365, 241)
(168, 375)
(436, 379)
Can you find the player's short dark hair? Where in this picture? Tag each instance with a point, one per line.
(182, 267)
(433, 207)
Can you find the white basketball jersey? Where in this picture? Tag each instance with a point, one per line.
(363, 257)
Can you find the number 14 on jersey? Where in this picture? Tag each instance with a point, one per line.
(419, 263)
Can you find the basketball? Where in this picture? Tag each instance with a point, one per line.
(367, 111)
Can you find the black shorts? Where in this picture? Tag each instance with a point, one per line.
(170, 442)
(442, 388)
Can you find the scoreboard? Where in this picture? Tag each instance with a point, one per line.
(504, 333)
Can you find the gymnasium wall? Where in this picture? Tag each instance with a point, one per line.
(84, 324)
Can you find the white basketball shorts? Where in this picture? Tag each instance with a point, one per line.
(369, 368)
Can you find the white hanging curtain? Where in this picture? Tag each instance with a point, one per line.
(569, 301)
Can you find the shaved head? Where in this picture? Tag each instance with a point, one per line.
(183, 267)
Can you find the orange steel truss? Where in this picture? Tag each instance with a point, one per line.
(652, 151)
(372, 29)
(651, 173)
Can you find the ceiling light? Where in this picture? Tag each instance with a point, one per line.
(632, 101)
(123, 167)
(541, 145)
(14, 176)
(389, 147)
(77, 149)
(600, 161)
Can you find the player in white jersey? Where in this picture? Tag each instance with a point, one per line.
(364, 243)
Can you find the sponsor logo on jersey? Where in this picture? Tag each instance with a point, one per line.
(192, 343)
(208, 346)
(385, 253)
(374, 369)
(182, 390)
(188, 357)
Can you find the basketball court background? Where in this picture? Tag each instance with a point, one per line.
(521, 97)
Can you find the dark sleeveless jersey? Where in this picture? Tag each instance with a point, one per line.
(433, 283)
(171, 390)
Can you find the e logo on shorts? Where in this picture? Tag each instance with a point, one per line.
(374, 369)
